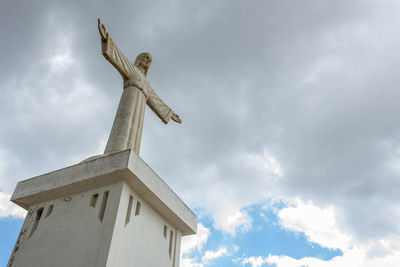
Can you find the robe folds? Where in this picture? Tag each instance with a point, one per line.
(127, 128)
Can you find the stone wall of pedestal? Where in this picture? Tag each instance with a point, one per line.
(111, 211)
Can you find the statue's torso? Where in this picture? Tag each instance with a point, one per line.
(137, 79)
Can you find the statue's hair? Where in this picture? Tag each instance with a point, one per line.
(139, 58)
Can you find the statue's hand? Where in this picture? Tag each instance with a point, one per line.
(176, 118)
(102, 30)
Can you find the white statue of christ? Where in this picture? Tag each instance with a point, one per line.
(127, 128)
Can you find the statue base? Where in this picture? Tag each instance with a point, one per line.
(110, 211)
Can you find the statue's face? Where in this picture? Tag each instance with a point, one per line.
(144, 61)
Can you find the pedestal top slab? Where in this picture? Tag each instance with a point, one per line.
(109, 169)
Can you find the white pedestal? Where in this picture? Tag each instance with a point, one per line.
(112, 211)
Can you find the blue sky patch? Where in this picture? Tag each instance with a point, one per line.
(9, 230)
(266, 236)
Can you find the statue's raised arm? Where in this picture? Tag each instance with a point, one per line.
(112, 53)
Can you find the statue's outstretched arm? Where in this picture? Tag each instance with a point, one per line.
(162, 110)
(112, 53)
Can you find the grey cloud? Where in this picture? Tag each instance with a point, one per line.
(312, 82)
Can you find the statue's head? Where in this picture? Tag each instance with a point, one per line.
(143, 62)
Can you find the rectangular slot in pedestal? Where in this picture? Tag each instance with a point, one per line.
(39, 213)
(129, 210)
(103, 206)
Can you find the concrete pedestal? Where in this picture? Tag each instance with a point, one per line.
(112, 211)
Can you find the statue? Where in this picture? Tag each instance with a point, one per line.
(127, 128)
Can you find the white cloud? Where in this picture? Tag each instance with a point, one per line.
(188, 262)
(318, 224)
(390, 256)
(227, 215)
(221, 202)
(355, 257)
(9, 209)
(348, 260)
(254, 261)
(196, 242)
(224, 202)
(192, 242)
(212, 255)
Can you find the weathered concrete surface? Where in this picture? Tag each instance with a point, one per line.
(111, 211)
(109, 169)
(70, 233)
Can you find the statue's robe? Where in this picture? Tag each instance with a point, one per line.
(127, 128)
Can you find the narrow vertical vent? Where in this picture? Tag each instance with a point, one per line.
(103, 206)
(93, 200)
(49, 210)
(129, 210)
(165, 231)
(137, 208)
(39, 213)
(171, 235)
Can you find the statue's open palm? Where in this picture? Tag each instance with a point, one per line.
(102, 30)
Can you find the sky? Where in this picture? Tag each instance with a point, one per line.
(289, 149)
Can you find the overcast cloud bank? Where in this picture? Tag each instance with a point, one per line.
(279, 99)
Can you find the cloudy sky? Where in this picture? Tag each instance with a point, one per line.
(289, 150)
